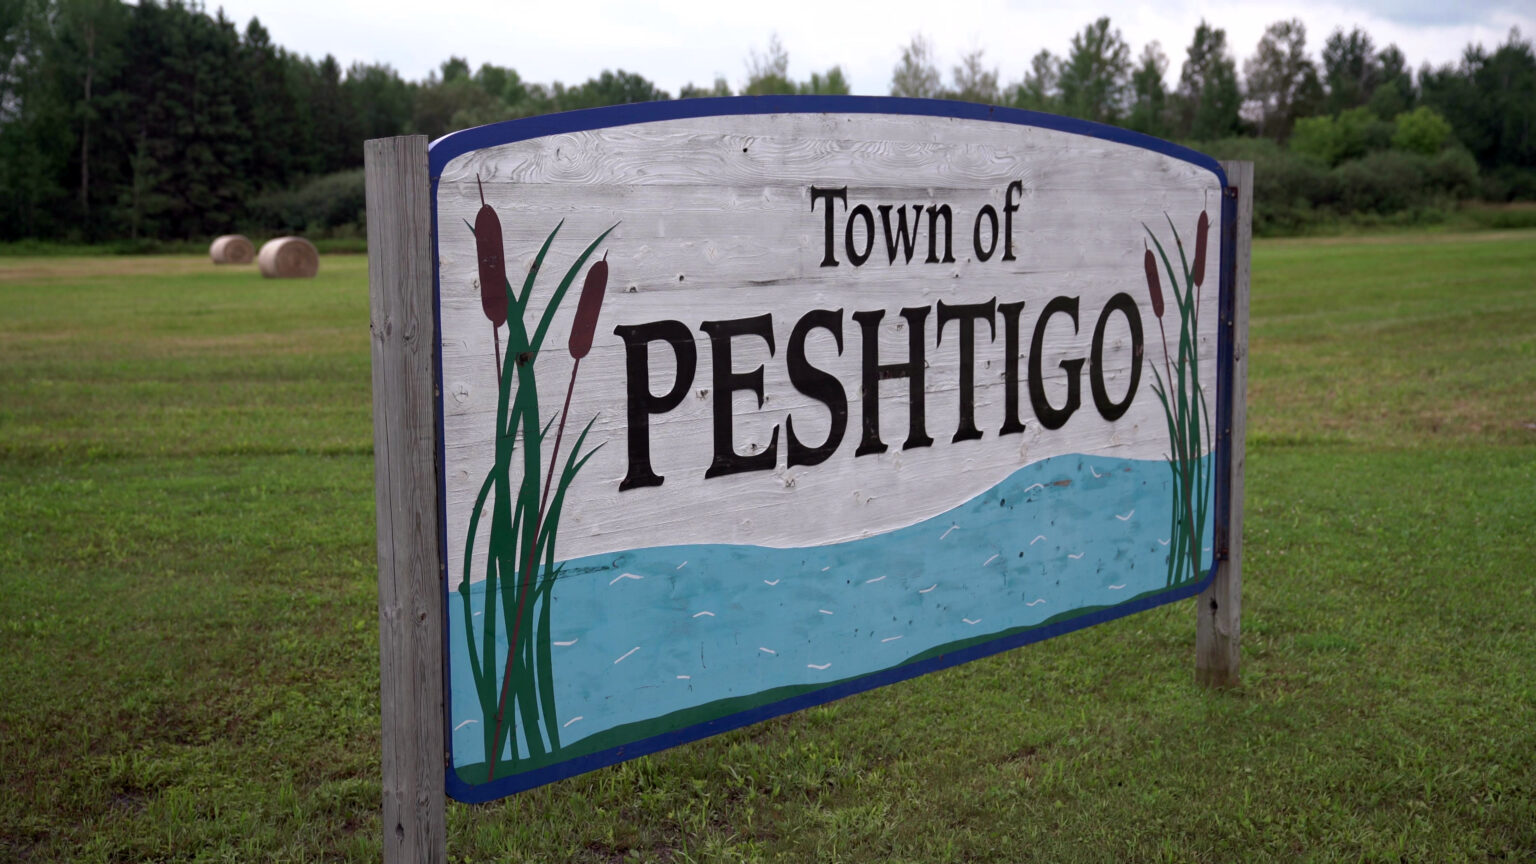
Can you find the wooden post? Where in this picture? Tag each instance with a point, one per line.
(405, 449)
(1220, 607)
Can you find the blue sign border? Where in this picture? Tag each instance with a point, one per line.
(445, 149)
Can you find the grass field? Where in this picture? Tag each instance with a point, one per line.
(189, 649)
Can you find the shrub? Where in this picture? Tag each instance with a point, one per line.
(1453, 174)
(1383, 183)
(1287, 188)
(323, 205)
(1348, 135)
(1422, 131)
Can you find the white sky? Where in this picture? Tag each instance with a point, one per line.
(674, 42)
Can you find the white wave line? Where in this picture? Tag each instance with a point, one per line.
(1096, 475)
(819, 667)
(1127, 516)
(1115, 587)
(1077, 556)
(876, 579)
(1038, 538)
(1206, 549)
(567, 644)
(890, 639)
(478, 614)
(684, 677)
(825, 611)
(706, 612)
(929, 588)
(971, 620)
(826, 568)
(770, 582)
(1162, 542)
(465, 723)
(989, 561)
(572, 720)
(624, 576)
(682, 565)
(946, 533)
(1035, 602)
(626, 654)
(767, 650)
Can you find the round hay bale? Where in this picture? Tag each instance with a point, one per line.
(288, 258)
(232, 249)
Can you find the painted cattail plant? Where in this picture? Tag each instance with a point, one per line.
(1178, 388)
(514, 681)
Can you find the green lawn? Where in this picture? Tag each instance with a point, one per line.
(188, 640)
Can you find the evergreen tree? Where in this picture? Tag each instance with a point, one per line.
(1150, 109)
(1209, 99)
(378, 100)
(34, 128)
(1039, 91)
(1351, 69)
(1095, 79)
(1396, 93)
(1490, 100)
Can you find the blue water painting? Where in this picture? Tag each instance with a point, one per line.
(644, 633)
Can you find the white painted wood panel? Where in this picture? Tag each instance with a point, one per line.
(715, 221)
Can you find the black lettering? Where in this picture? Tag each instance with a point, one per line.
(874, 373)
(860, 212)
(933, 234)
(1011, 421)
(1123, 303)
(817, 384)
(967, 314)
(907, 240)
(1010, 208)
(828, 259)
(1054, 418)
(991, 214)
(726, 383)
(642, 402)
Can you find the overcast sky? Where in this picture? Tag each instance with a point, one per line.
(674, 42)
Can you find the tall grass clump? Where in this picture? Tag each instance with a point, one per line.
(1178, 388)
(515, 689)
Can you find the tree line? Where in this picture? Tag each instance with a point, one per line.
(159, 120)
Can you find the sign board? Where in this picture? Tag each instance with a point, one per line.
(750, 404)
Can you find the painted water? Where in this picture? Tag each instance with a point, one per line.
(648, 632)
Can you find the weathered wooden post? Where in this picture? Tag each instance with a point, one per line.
(1219, 609)
(405, 445)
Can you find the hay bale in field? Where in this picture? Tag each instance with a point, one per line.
(232, 249)
(288, 258)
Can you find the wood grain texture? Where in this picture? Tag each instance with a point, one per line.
(405, 451)
(715, 221)
(1219, 610)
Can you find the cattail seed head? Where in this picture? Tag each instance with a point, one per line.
(492, 262)
(585, 324)
(1202, 231)
(1154, 286)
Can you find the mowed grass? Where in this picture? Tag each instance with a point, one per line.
(189, 654)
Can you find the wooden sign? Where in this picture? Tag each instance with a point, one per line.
(747, 405)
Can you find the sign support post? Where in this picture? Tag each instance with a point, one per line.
(405, 434)
(1219, 609)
